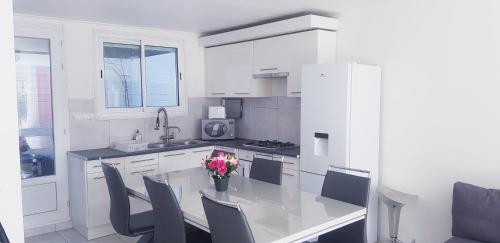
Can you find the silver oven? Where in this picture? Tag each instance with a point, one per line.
(217, 129)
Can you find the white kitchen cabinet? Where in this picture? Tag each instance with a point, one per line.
(289, 53)
(197, 155)
(173, 160)
(290, 179)
(229, 72)
(98, 200)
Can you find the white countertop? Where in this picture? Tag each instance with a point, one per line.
(274, 213)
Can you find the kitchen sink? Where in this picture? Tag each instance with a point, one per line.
(174, 144)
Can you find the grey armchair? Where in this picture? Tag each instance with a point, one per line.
(475, 214)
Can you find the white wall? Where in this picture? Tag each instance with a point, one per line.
(440, 102)
(80, 56)
(10, 180)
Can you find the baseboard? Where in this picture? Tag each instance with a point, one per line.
(47, 229)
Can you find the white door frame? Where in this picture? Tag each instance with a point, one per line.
(54, 32)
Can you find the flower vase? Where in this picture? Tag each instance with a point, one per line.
(221, 183)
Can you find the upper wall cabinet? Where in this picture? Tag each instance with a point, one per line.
(289, 53)
(229, 71)
(237, 70)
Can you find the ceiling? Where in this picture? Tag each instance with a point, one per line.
(199, 16)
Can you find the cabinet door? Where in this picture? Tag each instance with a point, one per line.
(133, 178)
(97, 199)
(197, 156)
(229, 70)
(174, 160)
(290, 179)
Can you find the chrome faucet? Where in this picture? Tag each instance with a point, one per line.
(167, 137)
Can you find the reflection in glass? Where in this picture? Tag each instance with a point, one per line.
(122, 75)
(34, 99)
(161, 76)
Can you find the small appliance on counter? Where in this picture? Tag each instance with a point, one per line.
(216, 112)
(218, 129)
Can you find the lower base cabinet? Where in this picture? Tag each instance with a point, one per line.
(89, 196)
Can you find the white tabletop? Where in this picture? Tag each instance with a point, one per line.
(274, 213)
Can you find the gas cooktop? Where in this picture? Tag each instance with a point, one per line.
(270, 144)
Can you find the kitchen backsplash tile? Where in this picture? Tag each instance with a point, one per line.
(263, 118)
(270, 118)
(266, 123)
(289, 125)
(90, 134)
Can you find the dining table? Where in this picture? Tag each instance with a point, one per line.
(274, 213)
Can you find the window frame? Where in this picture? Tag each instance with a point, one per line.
(138, 112)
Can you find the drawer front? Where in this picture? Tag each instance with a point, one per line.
(94, 166)
(290, 163)
(133, 179)
(174, 160)
(246, 155)
(290, 179)
(141, 160)
(263, 156)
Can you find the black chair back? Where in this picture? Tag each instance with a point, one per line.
(120, 204)
(3, 235)
(351, 189)
(226, 221)
(168, 216)
(266, 170)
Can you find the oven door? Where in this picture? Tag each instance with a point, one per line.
(215, 129)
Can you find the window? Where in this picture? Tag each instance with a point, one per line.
(139, 75)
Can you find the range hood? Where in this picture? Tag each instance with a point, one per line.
(271, 75)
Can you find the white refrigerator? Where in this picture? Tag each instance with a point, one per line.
(340, 124)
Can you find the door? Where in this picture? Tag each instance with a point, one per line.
(43, 119)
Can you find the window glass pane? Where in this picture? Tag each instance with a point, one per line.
(34, 100)
(122, 75)
(161, 76)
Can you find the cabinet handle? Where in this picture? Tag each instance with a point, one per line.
(242, 93)
(295, 92)
(142, 160)
(269, 69)
(142, 171)
(170, 155)
(263, 155)
(99, 166)
(287, 174)
(98, 178)
(218, 93)
(286, 162)
(200, 151)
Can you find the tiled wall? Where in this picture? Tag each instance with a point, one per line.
(90, 134)
(273, 118)
(263, 118)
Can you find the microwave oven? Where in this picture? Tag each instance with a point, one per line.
(217, 129)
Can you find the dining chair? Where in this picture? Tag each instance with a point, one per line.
(3, 235)
(266, 170)
(168, 219)
(350, 188)
(226, 221)
(124, 223)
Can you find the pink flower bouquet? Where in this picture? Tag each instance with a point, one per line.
(221, 165)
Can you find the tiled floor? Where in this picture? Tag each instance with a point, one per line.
(71, 236)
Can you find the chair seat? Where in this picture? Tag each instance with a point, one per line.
(461, 240)
(141, 223)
